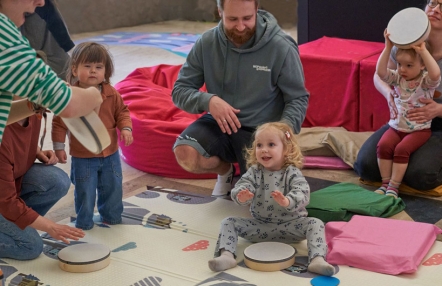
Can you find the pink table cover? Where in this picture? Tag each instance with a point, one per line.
(373, 107)
(331, 69)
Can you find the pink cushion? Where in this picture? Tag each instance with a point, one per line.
(381, 245)
(319, 162)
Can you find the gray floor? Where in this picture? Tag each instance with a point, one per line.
(127, 59)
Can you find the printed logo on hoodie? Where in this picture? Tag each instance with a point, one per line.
(261, 68)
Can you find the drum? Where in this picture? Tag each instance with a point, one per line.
(90, 131)
(84, 257)
(409, 27)
(269, 256)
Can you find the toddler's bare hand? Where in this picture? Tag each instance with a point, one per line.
(126, 136)
(280, 198)
(245, 195)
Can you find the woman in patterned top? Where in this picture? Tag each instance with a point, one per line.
(278, 194)
(24, 75)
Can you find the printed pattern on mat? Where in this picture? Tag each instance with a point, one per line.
(148, 247)
(436, 259)
(149, 281)
(199, 245)
(178, 43)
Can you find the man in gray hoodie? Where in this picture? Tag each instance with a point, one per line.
(253, 75)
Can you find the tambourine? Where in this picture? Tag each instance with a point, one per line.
(269, 256)
(409, 27)
(84, 257)
(90, 131)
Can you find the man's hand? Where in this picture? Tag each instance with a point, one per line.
(224, 114)
(425, 113)
(244, 196)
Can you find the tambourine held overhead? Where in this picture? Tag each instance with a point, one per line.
(90, 131)
(269, 256)
(409, 27)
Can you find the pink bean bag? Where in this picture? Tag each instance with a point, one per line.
(156, 121)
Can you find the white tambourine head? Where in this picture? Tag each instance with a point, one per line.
(85, 257)
(409, 27)
(269, 256)
(90, 131)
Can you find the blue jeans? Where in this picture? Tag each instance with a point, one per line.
(97, 175)
(41, 188)
(424, 170)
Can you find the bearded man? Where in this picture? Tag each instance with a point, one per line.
(253, 75)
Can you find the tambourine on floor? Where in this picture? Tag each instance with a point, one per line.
(269, 256)
(84, 257)
(409, 27)
(89, 131)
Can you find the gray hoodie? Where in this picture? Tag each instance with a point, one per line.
(263, 78)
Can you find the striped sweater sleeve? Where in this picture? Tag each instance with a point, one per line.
(22, 74)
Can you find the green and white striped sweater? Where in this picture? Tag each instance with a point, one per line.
(22, 74)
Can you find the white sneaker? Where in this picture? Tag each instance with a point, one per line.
(224, 185)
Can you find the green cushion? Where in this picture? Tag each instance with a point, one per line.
(341, 201)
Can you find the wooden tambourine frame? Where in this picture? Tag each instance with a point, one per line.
(269, 256)
(90, 131)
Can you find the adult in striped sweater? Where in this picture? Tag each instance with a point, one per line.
(28, 190)
(24, 75)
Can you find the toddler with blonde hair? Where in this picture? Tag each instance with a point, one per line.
(277, 193)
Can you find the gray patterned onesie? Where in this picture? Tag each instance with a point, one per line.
(270, 221)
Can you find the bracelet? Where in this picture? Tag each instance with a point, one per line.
(58, 146)
(127, 128)
(34, 107)
(37, 109)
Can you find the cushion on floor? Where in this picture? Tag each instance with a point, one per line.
(324, 162)
(346, 144)
(310, 140)
(381, 245)
(340, 202)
